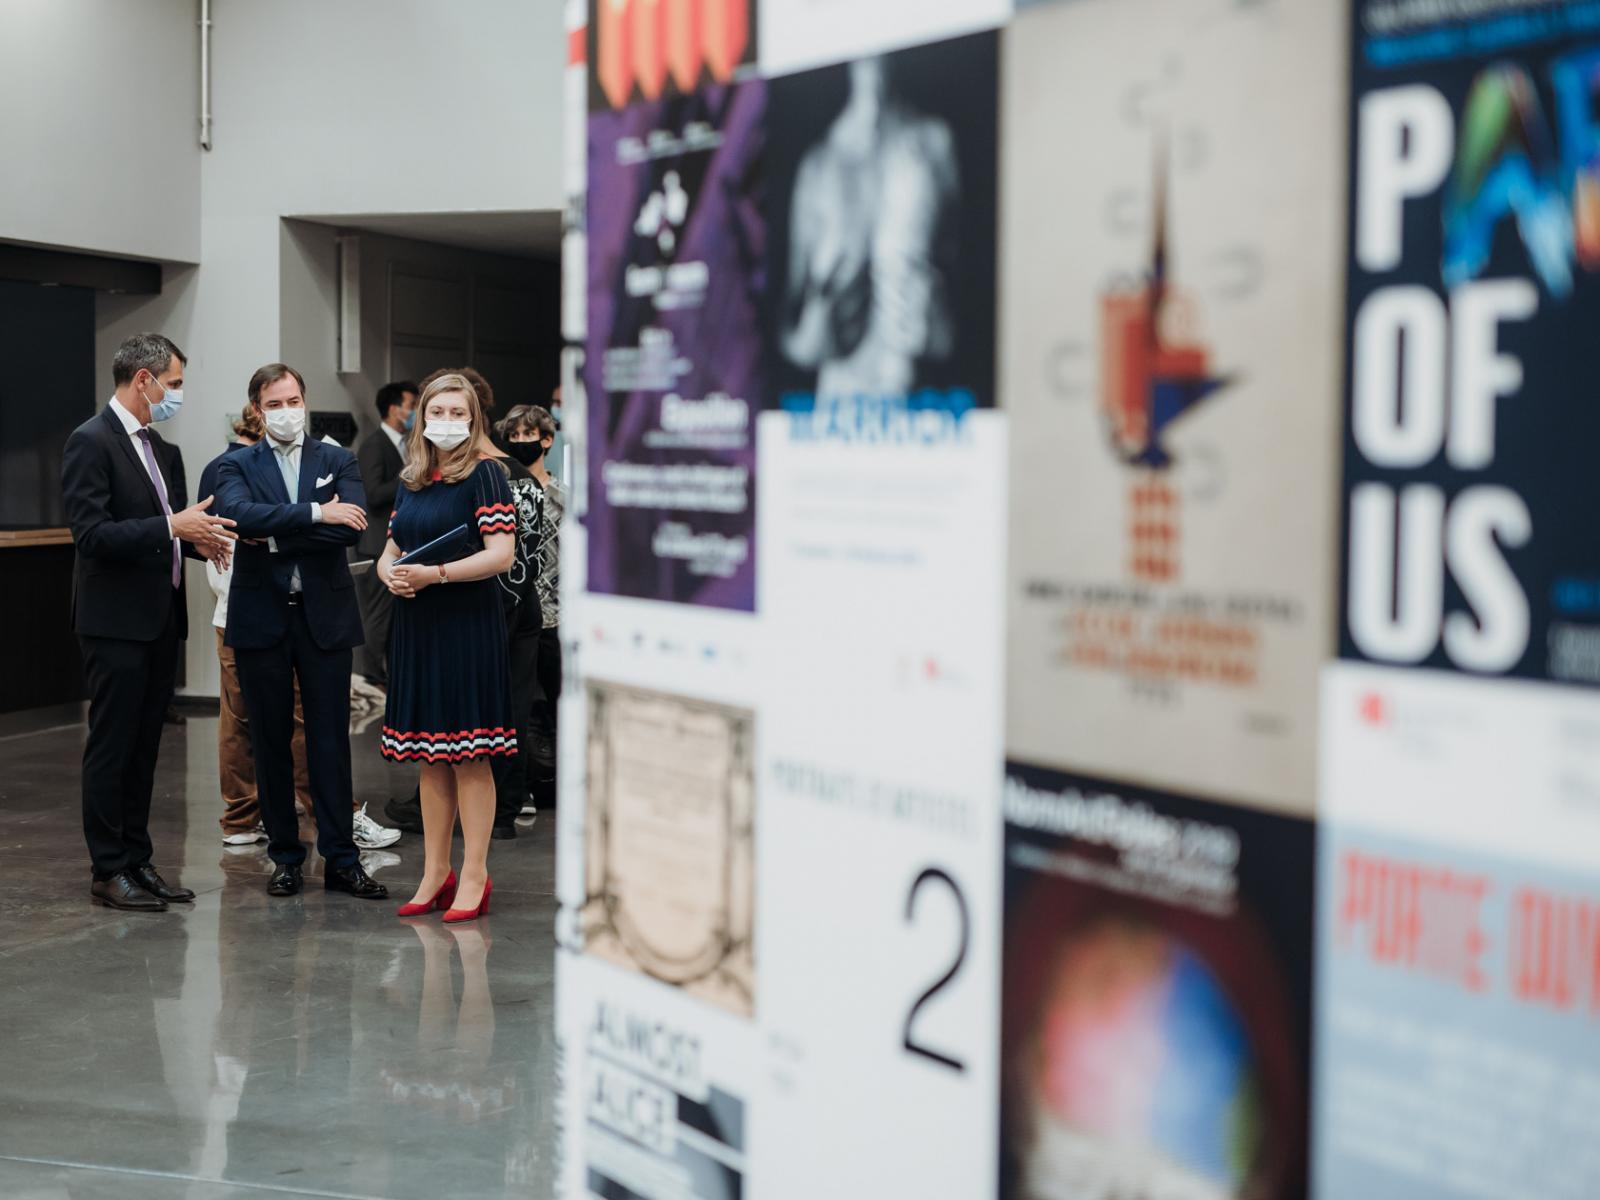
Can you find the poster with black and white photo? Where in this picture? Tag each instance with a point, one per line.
(1474, 293)
(881, 233)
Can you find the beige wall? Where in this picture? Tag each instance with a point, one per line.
(100, 127)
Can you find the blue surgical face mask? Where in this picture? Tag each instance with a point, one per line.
(169, 404)
(411, 419)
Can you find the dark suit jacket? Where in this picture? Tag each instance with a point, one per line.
(208, 477)
(381, 465)
(122, 581)
(250, 490)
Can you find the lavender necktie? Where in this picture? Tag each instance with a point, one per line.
(161, 490)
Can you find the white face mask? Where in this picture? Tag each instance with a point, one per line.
(447, 435)
(285, 424)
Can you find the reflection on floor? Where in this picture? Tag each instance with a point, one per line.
(246, 1046)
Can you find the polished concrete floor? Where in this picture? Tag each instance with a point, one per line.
(245, 1046)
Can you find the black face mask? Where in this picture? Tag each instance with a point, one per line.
(526, 453)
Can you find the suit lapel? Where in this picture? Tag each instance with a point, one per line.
(268, 477)
(135, 456)
(309, 461)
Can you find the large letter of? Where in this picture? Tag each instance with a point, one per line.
(1397, 410)
(1404, 147)
(1495, 641)
(1478, 371)
(1395, 609)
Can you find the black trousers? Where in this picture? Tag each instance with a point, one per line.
(512, 780)
(130, 686)
(546, 713)
(267, 678)
(377, 615)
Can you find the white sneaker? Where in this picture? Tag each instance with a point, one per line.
(248, 838)
(372, 836)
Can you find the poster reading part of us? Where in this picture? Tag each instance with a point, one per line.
(1474, 295)
(1170, 365)
(673, 364)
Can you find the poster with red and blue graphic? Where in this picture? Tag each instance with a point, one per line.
(1474, 294)
(1169, 334)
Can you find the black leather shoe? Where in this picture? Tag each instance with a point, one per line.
(403, 814)
(151, 881)
(123, 891)
(286, 881)
(355, 881)
(501, 832)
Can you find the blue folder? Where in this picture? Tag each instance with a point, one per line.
(447, 547)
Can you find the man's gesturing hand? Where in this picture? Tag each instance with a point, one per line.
(204, 529)
(335, 513)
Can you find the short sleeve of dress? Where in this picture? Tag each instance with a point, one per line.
(495, 511)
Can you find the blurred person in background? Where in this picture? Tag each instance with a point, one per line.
(381, 458)
(530, 432)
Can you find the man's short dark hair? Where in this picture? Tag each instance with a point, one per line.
(268, 375)
(394, 393)
(151, 352)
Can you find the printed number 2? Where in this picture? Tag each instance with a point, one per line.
(933, 989)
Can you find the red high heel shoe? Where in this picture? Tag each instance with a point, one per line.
(441, 899)
(457, 915)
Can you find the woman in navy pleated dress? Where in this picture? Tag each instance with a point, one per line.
(449, 671)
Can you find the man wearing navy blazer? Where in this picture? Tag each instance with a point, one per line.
(292, 615)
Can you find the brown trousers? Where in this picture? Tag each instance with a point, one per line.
(235, 761)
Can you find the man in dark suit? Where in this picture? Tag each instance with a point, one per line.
(123, 489)
(381, 458)
(292, 617)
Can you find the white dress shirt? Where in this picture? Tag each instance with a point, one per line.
(131, 424)
(289, 452)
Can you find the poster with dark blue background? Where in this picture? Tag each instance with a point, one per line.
(1474, 294)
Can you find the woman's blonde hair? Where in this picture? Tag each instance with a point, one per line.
(423, 458)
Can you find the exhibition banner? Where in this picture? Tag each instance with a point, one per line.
(673, 369)
(1170, 325)
(1458, 938)
(878, 891)
(797, 34)
(1474, 290)
(1155, 1001)
(780, 865)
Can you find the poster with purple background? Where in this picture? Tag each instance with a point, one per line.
(673, 370)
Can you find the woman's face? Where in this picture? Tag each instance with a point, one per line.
(448, 406)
